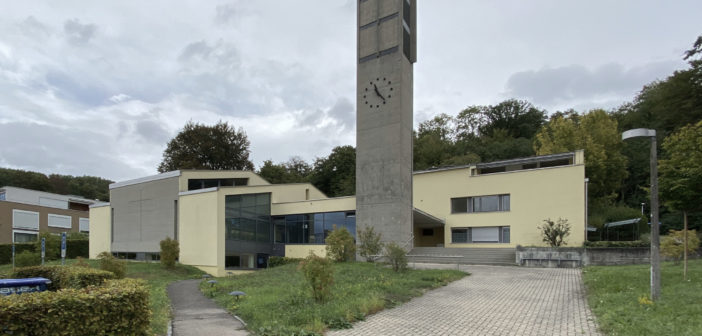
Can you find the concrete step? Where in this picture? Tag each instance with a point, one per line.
(478, 256)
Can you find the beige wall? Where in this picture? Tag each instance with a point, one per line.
(100, 230)
(535, 195)
(6, 219)
(320, 205)
(280, 193)
(429, 241)
(302, 251)
(201, 232)
(217, 174)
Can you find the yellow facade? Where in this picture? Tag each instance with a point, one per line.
(535, 195)
(100, 230)
(201, 232)
(302, 251)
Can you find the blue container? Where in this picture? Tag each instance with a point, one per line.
(19, 286)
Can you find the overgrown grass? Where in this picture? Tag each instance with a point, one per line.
(614, 293)
(158, 279)
(278, 301)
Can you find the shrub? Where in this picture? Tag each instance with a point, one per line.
(340, 245)
(6, 251)
(169, 252)
(26, 258)
(370, 244)
(672, 244)
(76, 248)
(615, 243)
(52, 245)
(109, 263)
(554, 234)
(275, 261)
(63, 277)
(80, 262)
(119, 307)
(397, 257)
(319, 273)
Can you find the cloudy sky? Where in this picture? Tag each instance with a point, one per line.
(99, 87)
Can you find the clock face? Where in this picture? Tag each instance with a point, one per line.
(377, 92)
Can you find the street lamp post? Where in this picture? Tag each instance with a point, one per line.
(655, 239)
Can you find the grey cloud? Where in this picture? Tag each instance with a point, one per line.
(549, 86)
(52, 149)
(152, 131)
(344, 112)
(225, 13)
(70, 88)
(32, 26)
(78, 33)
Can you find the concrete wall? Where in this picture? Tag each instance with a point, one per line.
(144, 214)
(535, 195)
(302, 251)
(314, 206)
(100, 230)
(201, 232)
(383, 126)
(576, 256)
(6, 215)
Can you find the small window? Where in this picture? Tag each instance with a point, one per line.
(83, 224)
(459, 236)
(427, 232)
(60, 221)
(2, 196)
(459, 205)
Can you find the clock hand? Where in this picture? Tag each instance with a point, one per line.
(378, 92)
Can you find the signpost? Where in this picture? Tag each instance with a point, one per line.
(13, 257)
(63, 248)
(43, 250)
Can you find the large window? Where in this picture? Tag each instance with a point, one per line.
(489, 234)
(195, 184)
(311, 228)
(489, 203)
(22, 219)
(19, 236)
(59, 221)
(247, 217)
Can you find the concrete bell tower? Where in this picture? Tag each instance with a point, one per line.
(386, 52)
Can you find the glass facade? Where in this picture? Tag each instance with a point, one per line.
(247, 217)
(311, 228)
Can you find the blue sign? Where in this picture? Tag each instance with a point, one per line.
(13, 256)
(63, 245)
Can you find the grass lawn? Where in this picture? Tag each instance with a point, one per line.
(614, 292)
(158, 279)
(279, 302)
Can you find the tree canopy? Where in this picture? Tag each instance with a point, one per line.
(295, 170)
(90, 187)
(681, 172)
(198, 146)
(335, 175)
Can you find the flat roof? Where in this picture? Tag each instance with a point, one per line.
(524, 160)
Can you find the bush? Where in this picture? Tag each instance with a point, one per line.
(6, 251)
(554, 234)
(614, 243)
(340, 245)
(275, 261)
(370, 245)
(109, 263)
(52, 245)
(397, 257)
(672, 244)
(169, 252)
(119, 307)
(63, 277)
(26, 258)
(319, 273)
(76, 248)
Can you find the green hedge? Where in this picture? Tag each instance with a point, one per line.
(6, 251)
(274, 261)
(74, 248)
(606, 243)
(63, 277)
(119, 307)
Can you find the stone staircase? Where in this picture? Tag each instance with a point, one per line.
(471, 255)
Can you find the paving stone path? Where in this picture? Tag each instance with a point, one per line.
(493, 300)
(195, 315)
